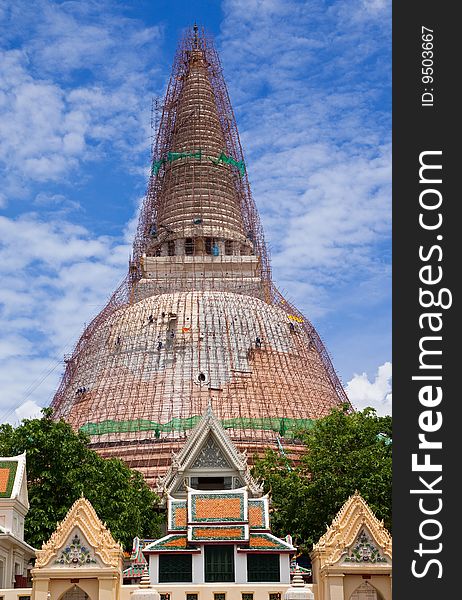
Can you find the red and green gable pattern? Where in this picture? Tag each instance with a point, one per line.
(177, 515)
(258, 513)
(218, 533)
(265, 542)
(8, 470)
(217, 507)
(172, 543)
(134, 572)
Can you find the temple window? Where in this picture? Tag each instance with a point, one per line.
(171, 248)
(189, 246)
(263, 567)
(175, 568)
(192, 596)
(219, 563)
(208, 245)
(247, 596)
(211, 483)
(228, 247)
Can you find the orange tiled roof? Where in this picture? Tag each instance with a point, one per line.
(7, 475)
(257, 515)
(224, 533)
(209, 508)
(266, 541)
(170, 542)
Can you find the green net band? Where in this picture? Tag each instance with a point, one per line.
(171, 156)
(285, 427)
(223, 158)
(229, 160)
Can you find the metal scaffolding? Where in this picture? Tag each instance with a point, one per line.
(198, 319)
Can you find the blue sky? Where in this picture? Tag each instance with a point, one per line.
(310, 83)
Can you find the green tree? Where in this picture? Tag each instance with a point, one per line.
(61, 467)
(344, 453)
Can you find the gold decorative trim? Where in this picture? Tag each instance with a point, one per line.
(82, 516)
(354, 516)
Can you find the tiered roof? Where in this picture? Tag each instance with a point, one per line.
(12, 477)
(216, 517)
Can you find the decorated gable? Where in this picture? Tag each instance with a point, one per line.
(80, 541)
(77, 552)
(210, 456)
(355, 538)
(364, 550)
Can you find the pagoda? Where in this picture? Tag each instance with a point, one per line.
(198, 320)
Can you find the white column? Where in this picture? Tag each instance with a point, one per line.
(284, 568)
(198, 567)
(335, 587)
(154, 568)
(240, 564)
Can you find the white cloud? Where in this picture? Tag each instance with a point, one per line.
(57, 276)
(313, 110)
(377, 393)
(28, 410)
(80, 81)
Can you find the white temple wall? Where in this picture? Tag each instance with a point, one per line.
(198, 568)
(240, 565)
(284, 567)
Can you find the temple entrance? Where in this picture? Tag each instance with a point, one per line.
(75, 593)
(366, 592)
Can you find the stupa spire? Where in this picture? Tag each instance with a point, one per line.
(198, 321)
(199, 202)
(198, 197)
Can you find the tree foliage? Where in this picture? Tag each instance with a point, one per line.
(61, 467)
(344, 453)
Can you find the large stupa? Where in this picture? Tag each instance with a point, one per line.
(198, 321)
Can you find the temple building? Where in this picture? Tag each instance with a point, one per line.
(15, 552)
(353, 559)
(218, 529)
(218, 544)
(198, 319)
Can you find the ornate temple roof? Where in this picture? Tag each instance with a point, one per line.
(207, 447)
(83, 537)
(355, 537)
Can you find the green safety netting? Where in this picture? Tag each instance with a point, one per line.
(156, 165)
(284, 426)
(229, 160)
(171, 156)
(223, 158)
